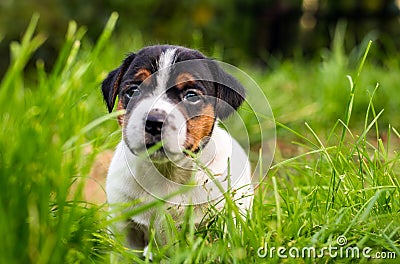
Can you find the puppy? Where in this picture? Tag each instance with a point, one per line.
(172, 148)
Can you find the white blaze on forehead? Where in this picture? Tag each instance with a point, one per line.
(167, 58)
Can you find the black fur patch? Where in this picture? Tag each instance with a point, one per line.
(229, 93)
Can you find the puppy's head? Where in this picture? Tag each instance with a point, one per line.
(172, 97)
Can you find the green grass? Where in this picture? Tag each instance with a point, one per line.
(335, 172)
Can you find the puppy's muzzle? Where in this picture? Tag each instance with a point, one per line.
(153, 126)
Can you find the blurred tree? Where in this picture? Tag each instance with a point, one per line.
(241, 30)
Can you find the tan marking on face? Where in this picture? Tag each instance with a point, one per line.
(143, 75)
(120, 118)
(199, 127)
(184, 79)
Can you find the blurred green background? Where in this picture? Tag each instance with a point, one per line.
(249, 31)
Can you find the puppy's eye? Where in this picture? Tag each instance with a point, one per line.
(191, 96)
(132, 91)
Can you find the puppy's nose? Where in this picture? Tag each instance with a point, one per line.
(154, 122)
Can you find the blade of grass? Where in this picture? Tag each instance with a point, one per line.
(20, 54)
(364, 211)
(350, 101)
(105, 35)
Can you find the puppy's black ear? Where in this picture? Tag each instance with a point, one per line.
(110, 85)
(229, 92)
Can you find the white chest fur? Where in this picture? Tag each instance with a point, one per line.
(131, 178)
